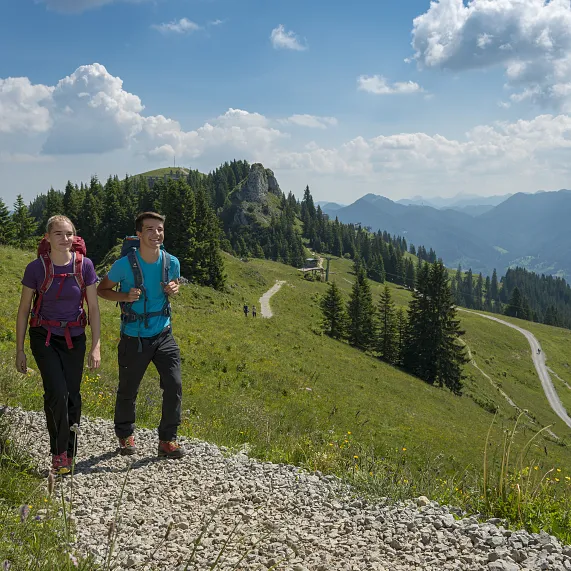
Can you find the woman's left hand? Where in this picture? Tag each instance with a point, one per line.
(94, 358)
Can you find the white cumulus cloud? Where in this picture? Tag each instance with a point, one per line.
(311, 121)
(378, 85)
(282, 39)
(529, 39)
(24, 107)
(182, 26)
(92, 113)
(538, 145)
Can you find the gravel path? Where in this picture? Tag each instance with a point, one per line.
(265, 308)
(287, 519)
(540, 367)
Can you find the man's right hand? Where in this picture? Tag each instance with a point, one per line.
(133, 295)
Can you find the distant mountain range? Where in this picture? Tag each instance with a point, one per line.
(526, 230)
(456, 202)
(331, 206)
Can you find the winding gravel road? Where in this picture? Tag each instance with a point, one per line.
(265, 308)
(540, 366)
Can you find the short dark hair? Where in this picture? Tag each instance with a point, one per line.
(144, 216)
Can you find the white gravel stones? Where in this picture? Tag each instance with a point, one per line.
(264, 516)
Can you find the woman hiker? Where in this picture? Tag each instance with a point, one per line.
(57, 282)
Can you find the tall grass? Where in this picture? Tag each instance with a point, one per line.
(33, 527)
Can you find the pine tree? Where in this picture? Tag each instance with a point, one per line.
(207, 264)
(416, 351)
(468, 293)
(24, 226)
(488, 288)
(377, 269)
(526, 310)
(387, 340)
(551, 316)
(479, 292)
(515, 304)
(494, 287)
(6, 225)
(178, 207)
(54, 206)
(361, 314)
(431, 349)
(72, 201)
(459, 289)
(410, 274)
(449, 356)
(401, 329)
(334, 315)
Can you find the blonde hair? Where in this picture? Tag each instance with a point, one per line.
(59, 218)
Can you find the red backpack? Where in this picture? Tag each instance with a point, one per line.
(36, 320)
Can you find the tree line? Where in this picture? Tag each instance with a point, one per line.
(423, 341)
(520, 293)
(200, 220)
(104, 214)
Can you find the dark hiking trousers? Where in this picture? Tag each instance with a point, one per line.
(61, 369)
(163, 351)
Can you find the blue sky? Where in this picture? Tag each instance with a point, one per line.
(392, 97)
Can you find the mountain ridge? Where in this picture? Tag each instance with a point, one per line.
(525, 229)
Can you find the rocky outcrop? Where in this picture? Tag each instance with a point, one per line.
(273, 185)
(260, 181)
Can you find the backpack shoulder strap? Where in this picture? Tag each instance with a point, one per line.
(78, 270)
(166, 266)
(135, 268)
(48, 272)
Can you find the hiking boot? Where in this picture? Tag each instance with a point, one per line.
(61, 464)
(170, 449)
(127, 446)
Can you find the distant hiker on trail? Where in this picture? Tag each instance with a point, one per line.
(538, 350)
(57, 283)
(246, 311)
(253, 311)
(148, 276)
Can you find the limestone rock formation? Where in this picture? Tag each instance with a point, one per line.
(260, 181)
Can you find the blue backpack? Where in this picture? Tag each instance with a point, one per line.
(128, 315)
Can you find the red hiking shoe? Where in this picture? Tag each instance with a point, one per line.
(127, 446)
(170, 449)
(61, 464)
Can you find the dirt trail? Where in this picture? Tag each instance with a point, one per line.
(558, 377)
(540, 366)
(473, 362)
(265, 309)
(502, 392)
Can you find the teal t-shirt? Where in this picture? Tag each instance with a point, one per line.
(121, 273)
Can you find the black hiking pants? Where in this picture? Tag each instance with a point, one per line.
(61, 369)
(163, 351)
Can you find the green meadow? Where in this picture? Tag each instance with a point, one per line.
(288, 393)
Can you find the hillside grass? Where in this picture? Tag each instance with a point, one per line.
(287, 393)
(162, 171)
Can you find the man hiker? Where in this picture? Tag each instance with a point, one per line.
(147, 277)
(253, 311)
(245, 311)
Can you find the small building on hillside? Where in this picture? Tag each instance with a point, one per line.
(314, 266)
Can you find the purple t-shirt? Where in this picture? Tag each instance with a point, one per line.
(67, 306)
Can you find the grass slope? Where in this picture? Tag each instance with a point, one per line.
(295, 395)
(161, 172)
